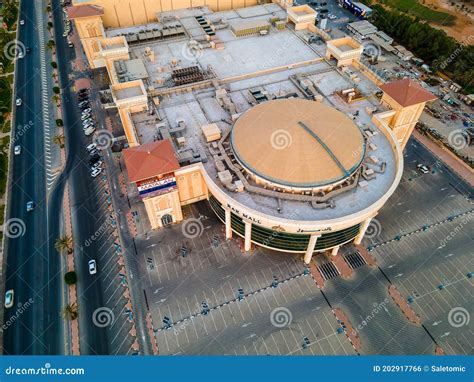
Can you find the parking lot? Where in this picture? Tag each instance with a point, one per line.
(104, 247)
(274, 287)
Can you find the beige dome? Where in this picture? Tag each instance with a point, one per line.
(298, 143)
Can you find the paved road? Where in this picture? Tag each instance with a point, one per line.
(32, 266)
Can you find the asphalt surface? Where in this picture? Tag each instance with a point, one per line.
(32, 266)
(84, 205)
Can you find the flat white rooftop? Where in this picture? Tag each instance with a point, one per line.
(263, 62)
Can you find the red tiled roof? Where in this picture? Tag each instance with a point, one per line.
(407, 92)
(77, 11)
(150, 160)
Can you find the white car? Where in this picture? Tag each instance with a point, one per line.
(21, 54)
(9, 295)
(18, 102)
(96, 165)
(86, 116)
(423, 168)
(30, 206)
(22, 22)
(92, 267)
(17, 150)
(96, 172)
(89, 131)
(91, 147)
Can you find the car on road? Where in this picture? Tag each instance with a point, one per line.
(92, 267)
(423, 168)
(30, 206)
(85, 116)
(91, 147)
(21, 54)
(18, 102)
(87, 121)
(96, 172)
(22, 22)
(93, 152)
(17, 150)
(84, 103)
(9, 296)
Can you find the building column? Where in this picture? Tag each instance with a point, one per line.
(334, 251)
(363, 228)
(248, 235)
(228, 227)
(310, 249)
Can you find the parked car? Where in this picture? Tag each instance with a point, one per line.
(95, 158)
(17, 150)
(423, 168)
(97, 164)
(89, 130)
(96, 172)
(91, 147)
(18, 102)
(92, 267)
(9, 297)
(22, 22)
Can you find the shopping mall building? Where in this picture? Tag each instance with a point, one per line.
(286, 147)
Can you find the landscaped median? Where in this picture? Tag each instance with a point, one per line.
(10, 48)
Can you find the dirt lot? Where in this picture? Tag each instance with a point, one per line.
(464, 24)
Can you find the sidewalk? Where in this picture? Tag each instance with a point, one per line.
(448, 158)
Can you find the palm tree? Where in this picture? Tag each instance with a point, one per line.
(51, 44)
(59, 140)
(70, 312)
(64, 243)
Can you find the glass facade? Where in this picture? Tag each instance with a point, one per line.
(285, 241)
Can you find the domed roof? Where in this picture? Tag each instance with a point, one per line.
(298, 143)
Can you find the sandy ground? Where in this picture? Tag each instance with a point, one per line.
(463, 30)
